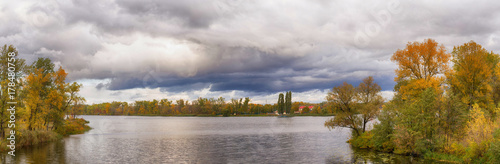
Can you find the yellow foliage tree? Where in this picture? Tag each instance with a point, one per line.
(8, 53)
(479, 128)
(419, 67)
(473, 73)
(142, 110)
(35, 104)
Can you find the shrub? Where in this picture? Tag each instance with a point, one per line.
(493, 153)
(73, 126)
(363, 141)
(383, 131)
(27, 137)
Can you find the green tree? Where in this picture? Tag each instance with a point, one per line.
(245, 104)
(288, 102)
(305, 109)
(417, 124)
(281, 104)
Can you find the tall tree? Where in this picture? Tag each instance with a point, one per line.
(369, 100)
(245, 104)
(281, 104)
(473, 72)
(418, 67)
(35, 96)
(48, 96)
(343, 99)
(9, 55)
(288, 102)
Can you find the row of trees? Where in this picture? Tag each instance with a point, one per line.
(42, 95)
(437, 108)
(204, 106)
(201, 106)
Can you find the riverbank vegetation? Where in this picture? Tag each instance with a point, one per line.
(443, 112)
(35, 109)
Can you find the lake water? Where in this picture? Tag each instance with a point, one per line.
(140, 139)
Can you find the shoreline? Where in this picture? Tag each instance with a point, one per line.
(27, 138)
(206, 115)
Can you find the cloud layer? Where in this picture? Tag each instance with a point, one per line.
(252, 48)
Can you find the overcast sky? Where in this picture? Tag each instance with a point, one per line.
(139, 50)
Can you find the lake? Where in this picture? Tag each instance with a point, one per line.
(142, 139)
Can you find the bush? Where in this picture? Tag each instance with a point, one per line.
(493, 153)
(73, 126)
(226, 112)
(456, 149)
(479, 135)
(383, 131)
(363, 141)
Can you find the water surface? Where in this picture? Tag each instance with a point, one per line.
(141, 139)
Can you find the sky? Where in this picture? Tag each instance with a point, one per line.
(128, 50)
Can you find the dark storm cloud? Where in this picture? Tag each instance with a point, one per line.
(190, 12)
(252, 46)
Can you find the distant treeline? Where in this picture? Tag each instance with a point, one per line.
(201, 106)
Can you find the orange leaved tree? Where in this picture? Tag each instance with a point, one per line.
(420, 65)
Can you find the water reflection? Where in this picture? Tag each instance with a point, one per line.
(131, 139)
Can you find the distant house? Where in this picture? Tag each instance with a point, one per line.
(302, 107)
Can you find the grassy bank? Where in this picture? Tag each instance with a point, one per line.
(26, 137)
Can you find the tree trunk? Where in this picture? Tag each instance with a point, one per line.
(2, 130)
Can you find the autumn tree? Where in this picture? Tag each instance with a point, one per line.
(419, 65)
(369, 100)
(36, 87)
(220, 103)
(9, 54)
(47, 96)
(74, 100)
(180, 104)
(62, 96)
(343, 98)
(355, 107)
(305, 110)
(55, 100)
(473, 72)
